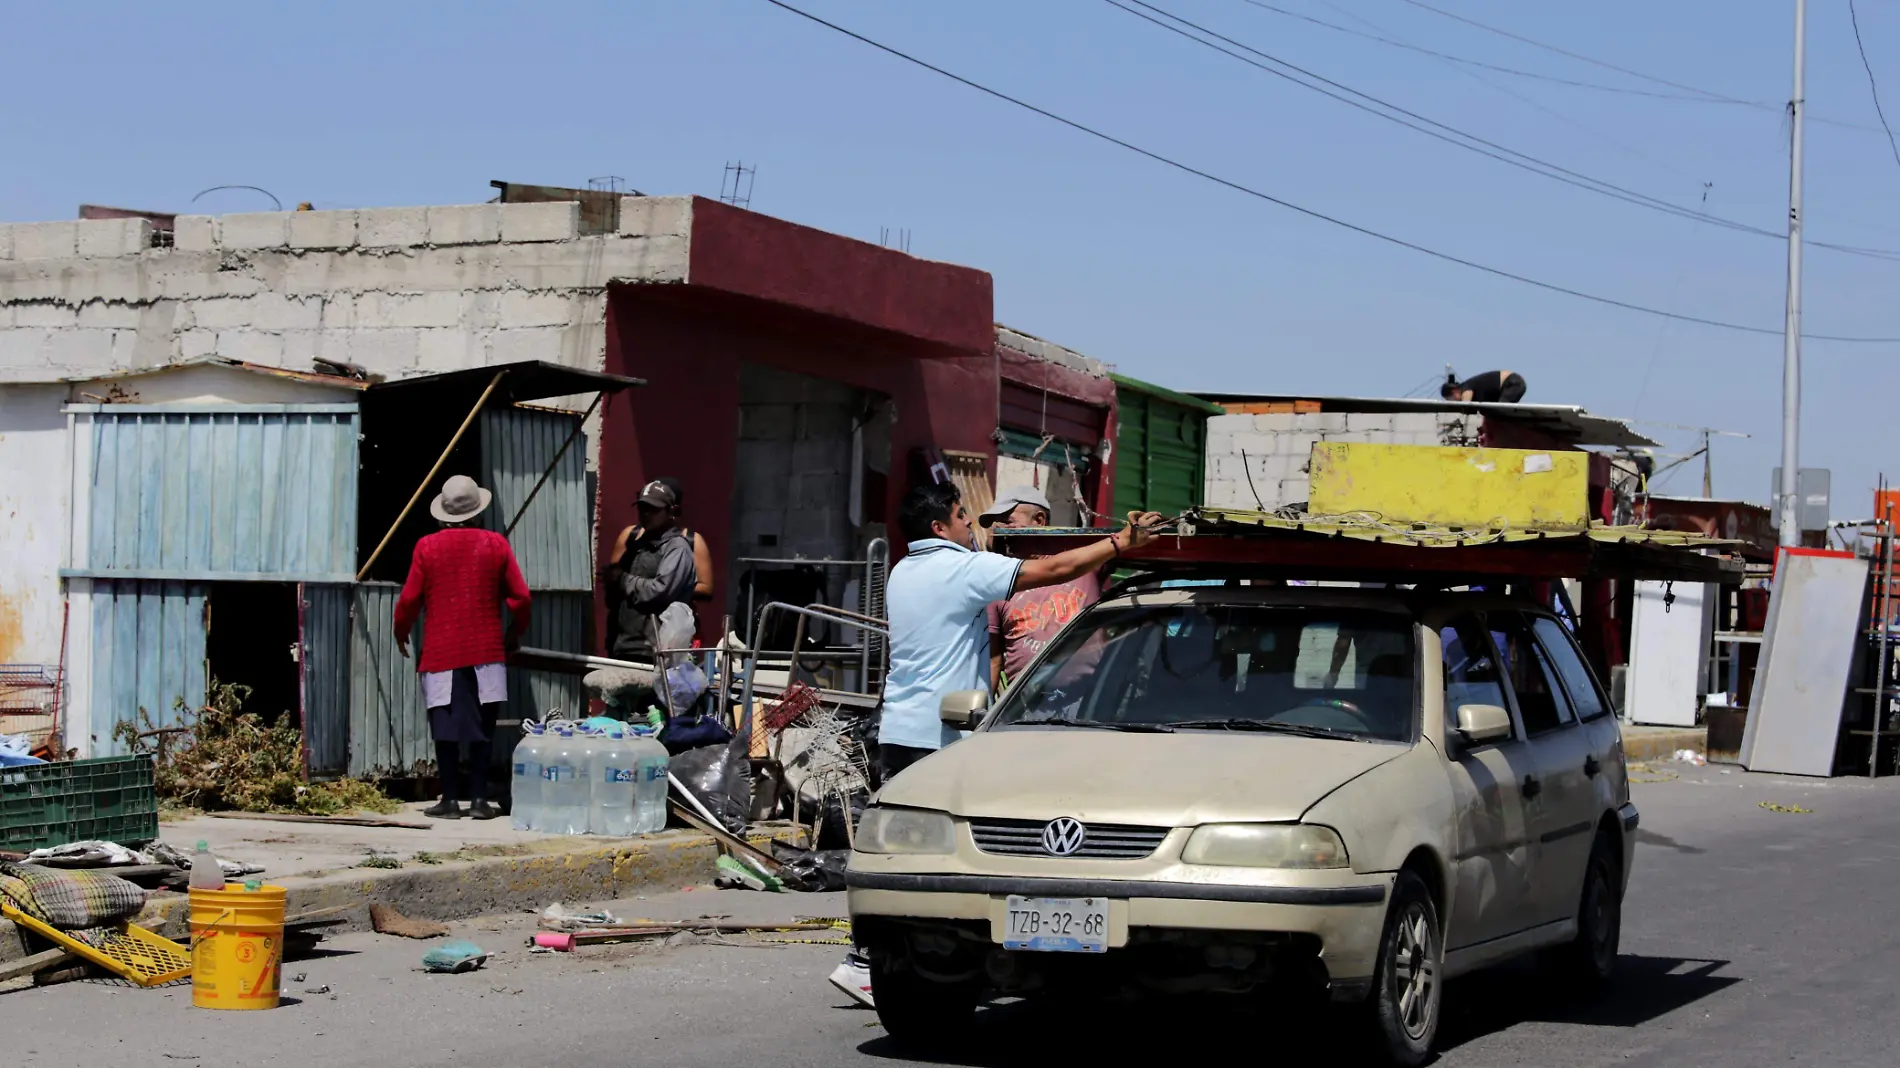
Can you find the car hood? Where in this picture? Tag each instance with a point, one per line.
(1166, 780)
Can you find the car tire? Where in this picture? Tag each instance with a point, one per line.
(1407, 990)
(917, 1011)
(1588, 962)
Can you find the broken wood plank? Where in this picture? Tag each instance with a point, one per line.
(29, 965)
(338, 821)
(725, 837)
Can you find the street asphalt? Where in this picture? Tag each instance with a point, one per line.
(1753, 937)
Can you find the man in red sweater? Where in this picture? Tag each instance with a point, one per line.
(460, 577)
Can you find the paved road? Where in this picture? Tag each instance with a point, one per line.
(1754, 938)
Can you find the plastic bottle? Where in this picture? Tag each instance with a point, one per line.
(525, 783)
(649, 793)
(206, 872)
(563, 792)
(615, 774)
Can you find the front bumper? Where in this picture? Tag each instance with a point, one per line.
(1345, 913)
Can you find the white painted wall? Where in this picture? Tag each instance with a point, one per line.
(1668, 653)
(33, 496)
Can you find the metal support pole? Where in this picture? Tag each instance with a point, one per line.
(1790, 516)
(1886, 529)
(429, 479)
(552, 464)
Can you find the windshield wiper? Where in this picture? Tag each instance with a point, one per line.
(1095, 724)
(1302, 729)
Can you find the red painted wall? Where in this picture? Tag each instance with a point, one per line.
(689, 347)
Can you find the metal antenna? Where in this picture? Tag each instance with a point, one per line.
(736, 187)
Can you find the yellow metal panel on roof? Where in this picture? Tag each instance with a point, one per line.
(1502, 489)
(1367, 527)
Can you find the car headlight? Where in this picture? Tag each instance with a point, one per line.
(1265, 845)
(905, 830)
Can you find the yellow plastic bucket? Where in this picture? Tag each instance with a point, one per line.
(237, 940)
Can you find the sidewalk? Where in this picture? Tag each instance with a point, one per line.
(452, 870)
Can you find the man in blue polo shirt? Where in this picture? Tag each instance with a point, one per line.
(938, 598)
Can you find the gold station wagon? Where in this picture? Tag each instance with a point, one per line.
(1346, 793)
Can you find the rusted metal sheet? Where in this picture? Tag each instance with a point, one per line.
(554, 540)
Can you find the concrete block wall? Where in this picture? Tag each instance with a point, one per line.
(399, 291)
(1261, 461)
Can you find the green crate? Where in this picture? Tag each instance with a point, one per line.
(107, 799)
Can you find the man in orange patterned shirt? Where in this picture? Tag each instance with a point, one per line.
(1022, 625)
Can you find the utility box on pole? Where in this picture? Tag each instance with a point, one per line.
(1812, 485)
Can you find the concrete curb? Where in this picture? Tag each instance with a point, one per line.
(1647, 744)
(590, 870)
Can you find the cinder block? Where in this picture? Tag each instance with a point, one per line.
(813, 457)
(254, 230)
(82, 351)
(389, 352)
(465, 224)
(650, 216)
(322, 229)
(392, 227)
(196, 344)
(6, 241)
(45, 240)
(1415, 422)
(109, 314)
(339, 311)
(114, 237)
(1229, 423)
(560, 221)
(1369, 422)
(523, 308)
(252, 346)
(450, 350)
(45, 313)
(274, 311)
(812, 529)
(23, 348)
(223, 313)
(822, 491)
(1274, 422)
(195, 233)
(1321, 422)
(768, 422)
(1293, 490)
(376, 310)
(534, 343)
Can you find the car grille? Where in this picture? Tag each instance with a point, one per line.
(1104, 841)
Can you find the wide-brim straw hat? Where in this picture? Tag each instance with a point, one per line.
(460, 500)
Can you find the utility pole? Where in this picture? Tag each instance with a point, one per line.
(1790, 521)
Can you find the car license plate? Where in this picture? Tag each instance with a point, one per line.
(1056, 924)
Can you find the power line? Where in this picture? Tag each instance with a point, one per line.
(1510, 157)
(1469, 62)
(1872, 88)
(1709, 94)
(1308, 212)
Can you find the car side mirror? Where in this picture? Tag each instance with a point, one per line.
(1479, 724)
(964, 709)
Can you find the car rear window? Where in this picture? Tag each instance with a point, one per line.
(1334, 669)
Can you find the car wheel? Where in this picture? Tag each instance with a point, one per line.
(1589, 961)
(1406, 991)
(918, 1011)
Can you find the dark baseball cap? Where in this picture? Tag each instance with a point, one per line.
(658, 494)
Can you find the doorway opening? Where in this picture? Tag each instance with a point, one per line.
(251, 640)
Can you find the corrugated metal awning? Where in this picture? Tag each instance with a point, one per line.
(528, 380)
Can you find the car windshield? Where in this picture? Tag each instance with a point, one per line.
(1326, 671)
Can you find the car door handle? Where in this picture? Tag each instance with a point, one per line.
(1591, 767)
(1532, 787)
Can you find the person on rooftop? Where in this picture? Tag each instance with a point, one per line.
(1491, 387)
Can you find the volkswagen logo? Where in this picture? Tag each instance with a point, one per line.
(1063, 837)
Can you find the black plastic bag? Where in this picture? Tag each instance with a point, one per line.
(720, 776)
(813, 871)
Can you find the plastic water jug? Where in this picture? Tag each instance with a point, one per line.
(650, 791)
(525, 783)
(611, 810)
(206, 872)
(563, 790)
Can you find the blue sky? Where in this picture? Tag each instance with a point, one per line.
(1165, 275)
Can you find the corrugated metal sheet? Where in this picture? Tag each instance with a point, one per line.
(148, 652)
(1159, 454)
(554, 540)
(326, 678)
(558, 621)
(248, 492)
(389, 728)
